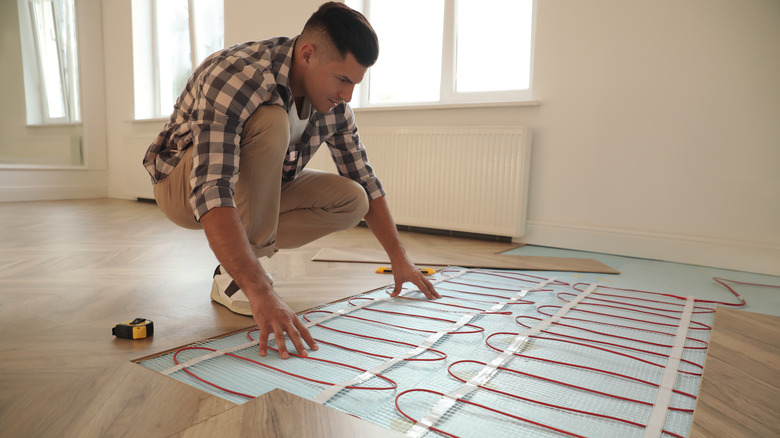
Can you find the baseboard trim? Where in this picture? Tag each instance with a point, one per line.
(740, 256)
(51, 193)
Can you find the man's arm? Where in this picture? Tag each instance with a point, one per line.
(229, 243)
(381, 223)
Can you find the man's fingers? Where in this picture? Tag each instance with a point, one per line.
(427, 288)
(281, 345)
(263, 342)
(307, 337)
(431, 289)
(295, 337)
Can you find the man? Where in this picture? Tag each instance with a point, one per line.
(231, 161)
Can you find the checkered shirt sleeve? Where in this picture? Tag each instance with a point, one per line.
(349, 153)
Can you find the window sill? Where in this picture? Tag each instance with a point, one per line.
(155, 120)
(54, 125)
(43, 167)
(429, 107)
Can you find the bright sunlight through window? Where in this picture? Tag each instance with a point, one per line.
(51, 69)
(170, 39)
(448, 52)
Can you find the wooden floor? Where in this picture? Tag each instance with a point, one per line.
(70, 270)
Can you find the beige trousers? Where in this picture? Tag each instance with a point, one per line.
(275, 215)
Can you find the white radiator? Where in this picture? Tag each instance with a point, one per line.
(469, 179)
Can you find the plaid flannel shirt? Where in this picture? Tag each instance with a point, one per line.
(209, 117)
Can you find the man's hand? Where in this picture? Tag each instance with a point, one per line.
(381, 223)
(274, 316)
(406, 271)
(228, 240)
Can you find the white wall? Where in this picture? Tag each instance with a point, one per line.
(252, 20)
(659, 130)
(657, 134)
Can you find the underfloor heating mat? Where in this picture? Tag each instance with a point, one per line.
(501, 354)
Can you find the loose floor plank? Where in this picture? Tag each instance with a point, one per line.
(470, 256)
(740, 388)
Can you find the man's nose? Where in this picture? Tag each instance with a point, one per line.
(345, 93)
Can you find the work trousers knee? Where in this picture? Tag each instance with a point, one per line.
(275, 215)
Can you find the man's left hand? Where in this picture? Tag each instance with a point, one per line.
(405, 271)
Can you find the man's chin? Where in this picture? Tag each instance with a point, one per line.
(325, 109)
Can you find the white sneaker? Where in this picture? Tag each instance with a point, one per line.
(225, 291)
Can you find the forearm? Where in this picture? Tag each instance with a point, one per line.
(380, 222)
(230, 245)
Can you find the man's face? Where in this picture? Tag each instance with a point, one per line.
(329, 82)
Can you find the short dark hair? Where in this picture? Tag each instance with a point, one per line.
(348, 30)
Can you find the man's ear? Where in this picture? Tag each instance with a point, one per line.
(307, 53)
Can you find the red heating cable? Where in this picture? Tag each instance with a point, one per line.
(612, 336)
(607, 350)
(298, 376)
(440, 303)
(597, 370)
(517, 276)
(477, 329)
(722, 281)
(557, 382)
(697, 309)
(561, 407)
(695, 325)
(376, 338)
(525, 420)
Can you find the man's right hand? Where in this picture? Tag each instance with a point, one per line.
(274, 316)
(228, 240)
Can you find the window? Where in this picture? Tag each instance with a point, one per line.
(170, 39)
(448, 52)
(49, 55)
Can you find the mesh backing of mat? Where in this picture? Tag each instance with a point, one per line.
(556, 380)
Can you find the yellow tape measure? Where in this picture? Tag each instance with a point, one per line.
(424, 271)
(138, 328)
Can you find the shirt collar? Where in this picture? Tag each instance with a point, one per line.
(282, 65)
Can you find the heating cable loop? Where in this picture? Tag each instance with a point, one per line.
(483, 376)
(204, 357)
(328, 393)
(663, 397)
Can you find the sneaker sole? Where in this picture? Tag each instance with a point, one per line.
(216, 297)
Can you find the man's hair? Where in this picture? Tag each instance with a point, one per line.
(347, 29)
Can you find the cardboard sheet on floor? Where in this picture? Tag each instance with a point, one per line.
(476, 260)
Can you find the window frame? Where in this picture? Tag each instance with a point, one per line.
(448, 95)
(37, 91)
(146, 57)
